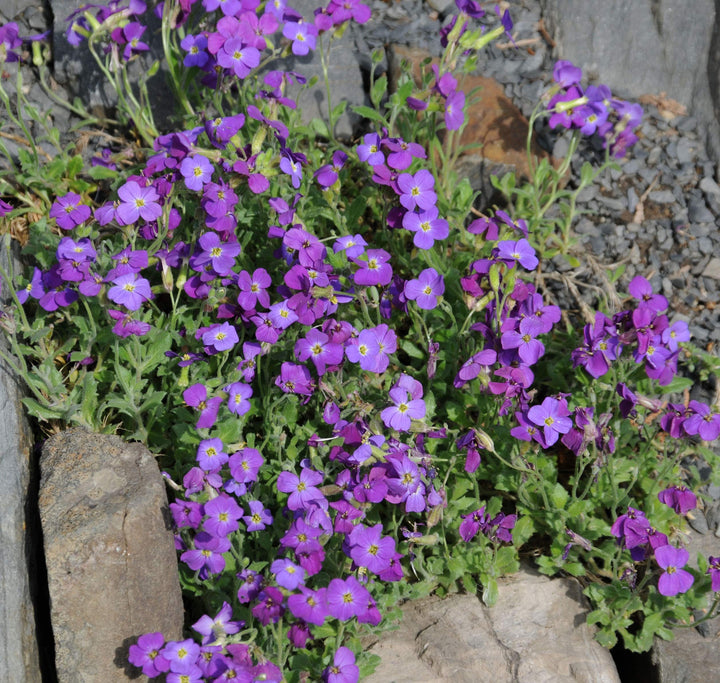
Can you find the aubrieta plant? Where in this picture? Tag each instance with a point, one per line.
(354, 390)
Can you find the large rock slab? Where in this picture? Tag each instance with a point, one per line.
(645, 47)
(112, 566)
(18, 645)
(536, 633)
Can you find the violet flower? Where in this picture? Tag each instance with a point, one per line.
(674, 579)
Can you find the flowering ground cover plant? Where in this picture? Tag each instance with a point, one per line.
(368, 397)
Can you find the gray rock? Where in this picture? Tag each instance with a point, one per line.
(662, 197)
(698, 212)
(534, 634)
(19, 660)
(112, 566)
(712, 269)
(645, 46)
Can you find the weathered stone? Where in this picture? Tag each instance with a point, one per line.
(712, 269)
(112, 567)
(536, 633)
(690, 657)
(18, 646)
(645, 46)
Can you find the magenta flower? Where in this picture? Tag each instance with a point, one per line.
(642, 291)
(146, 654)
(309, 605)
(552, 417)
(674, 579)
(270, 606)
(69, 212)
(343, 669)
(130, 290)
(346, 598)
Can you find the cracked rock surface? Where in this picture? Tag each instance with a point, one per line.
(105, 521)
(535, 633)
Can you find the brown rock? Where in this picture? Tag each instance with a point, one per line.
(496, 130)
(112, 566)
(536, 633)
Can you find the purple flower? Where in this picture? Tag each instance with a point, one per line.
(427, 227)
(426, 289)
(679, 498)
(196, 397)
(372, 347)
(220, 255)
(212, 629)
(674, 579)
(146, 654)
(294, 379)
(222, 515)
(519, 251)
(182, 655)
(346, 598)
(370, 549)
(529, 348)
(240, 58)
(207, 555)
(552, 417)
(317, 346)
(287, 574)
(220, 337)
(303, 36)
(702, 422)
(238, 398)
(370, 150)
(197, 170)
(210, 455)
(270, 606)
(400, 415)
(303, 489)
(343, 669)
(69, 212)
(417, 190)
(259, 517)
(454, 114)
(195, 47)
(309, 605)
(641, 290)
(374, 269)
(130, 290)
(714, 571)
(253, 289)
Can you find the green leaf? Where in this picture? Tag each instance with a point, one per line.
(490, 592)
(379, 88)
(586, 173)
(369, 113)
(43, 412)
(559, 496)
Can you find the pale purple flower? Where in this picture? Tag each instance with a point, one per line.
(130, 290)
(197, 170)
(400, 415)
(674, 579)
(137, 202)
(69, 211)
(417, 190)
(552, 417)
(426, 289)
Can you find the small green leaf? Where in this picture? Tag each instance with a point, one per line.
(369, 113)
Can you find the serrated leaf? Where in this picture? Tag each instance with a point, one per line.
(43, 412)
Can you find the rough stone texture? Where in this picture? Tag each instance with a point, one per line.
(536, 633)
(18, 647)
(112, 568)
(690, 657)
(645, 46)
